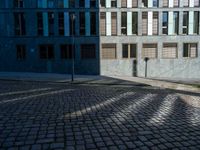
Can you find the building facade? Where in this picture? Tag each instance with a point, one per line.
(108, 37)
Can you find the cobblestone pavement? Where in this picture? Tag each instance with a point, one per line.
(96, 116)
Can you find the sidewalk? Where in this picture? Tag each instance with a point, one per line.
(192, 86)
(108, 80)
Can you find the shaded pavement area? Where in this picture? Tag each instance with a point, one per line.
(35, 115)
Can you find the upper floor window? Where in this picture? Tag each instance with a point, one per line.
(185, 3)
(196, 3)
(103, 3)
(165, 3)
(185, 22)
(71, 3)
(144, 3)
(81, 3)
(50, 3)
(155, 3)
(124, 23)
(165, 23)
(60, 3)
(92, 3)
(113, 3)
(19, 21)
(18, 3)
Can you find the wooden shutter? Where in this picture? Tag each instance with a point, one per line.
(114, 23)
(176, 3)
(149, 50)
(169, 50)
(193, 50)
(155, 23)
(165, 3)
(123, 3)
(144, 23)
(134, 3)
(109, 51)
(103, 23)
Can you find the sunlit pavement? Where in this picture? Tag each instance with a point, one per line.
(38, 116)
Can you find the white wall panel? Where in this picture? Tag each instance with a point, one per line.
(108, 23)
(150, 23)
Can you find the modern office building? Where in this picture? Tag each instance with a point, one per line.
(110, 37)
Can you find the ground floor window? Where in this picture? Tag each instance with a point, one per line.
(190, 50)
(129, 50)
(88, 51)
(21, 52)
(149, 50)
(109, 51)
(66, 51)
(169, 50)
(46, 51)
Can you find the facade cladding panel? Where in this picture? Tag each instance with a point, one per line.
(107, 37)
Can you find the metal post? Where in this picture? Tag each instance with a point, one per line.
(146, 60)
(73, 46)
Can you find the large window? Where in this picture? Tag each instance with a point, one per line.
(60, 3)
(196, 3)
(196, 22)
(40, 23)
(149, 50)
(114, 23)
(123, 3)
(81, 3)
(155, 23)
(46, 51)
(144, 3)
(165, 3)
(82, 23)
(155, 3)
(190, 50)
(92, 3)
(71, 3)
(114, 3)
(103, 23)
(135, 23)
(176, 3)
(21, 52)
(185, 22)
(19, 20)
(185, 3)
(103, 3)
(165, 23)
(66, 51)
(129, 51)
(144, 23)
(18, 3)
(50, 4)
(72, 23)
(109, 51)
(61, 23)
(169, 50)
(93, 23)
(176, 22)
(124, 23)
(51, 23)
(88, 51)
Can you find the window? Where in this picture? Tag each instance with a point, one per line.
(144, 23)
(103, 3)
(60, 3)
(155, 23)
(92, 3)
(93, 23)
(109, 51)
(72, 23)
(114, 23)
(123, 3)
(196, 22)
(50, 4)
(81, 3)
(19, 21)
(103, 23)
(165, 23)
(169, 50)
(144, 3)
(18, 3)
(190, 50)
(176, 22)
(149, 50)
(66, 51)
(165, 3)
(88, 51)
(135, 23)
(40, 3)
(51, 23)
(114, 3)
(21, 52)
(40, 23)
(46, 51)
(61, 23)
(124, 23)
(155, 3)
(82, 23)
(185, 3)
(196, 3)
(129, 50)
(176, 3)
(185, 22)
(71, 3)
(134, 3)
